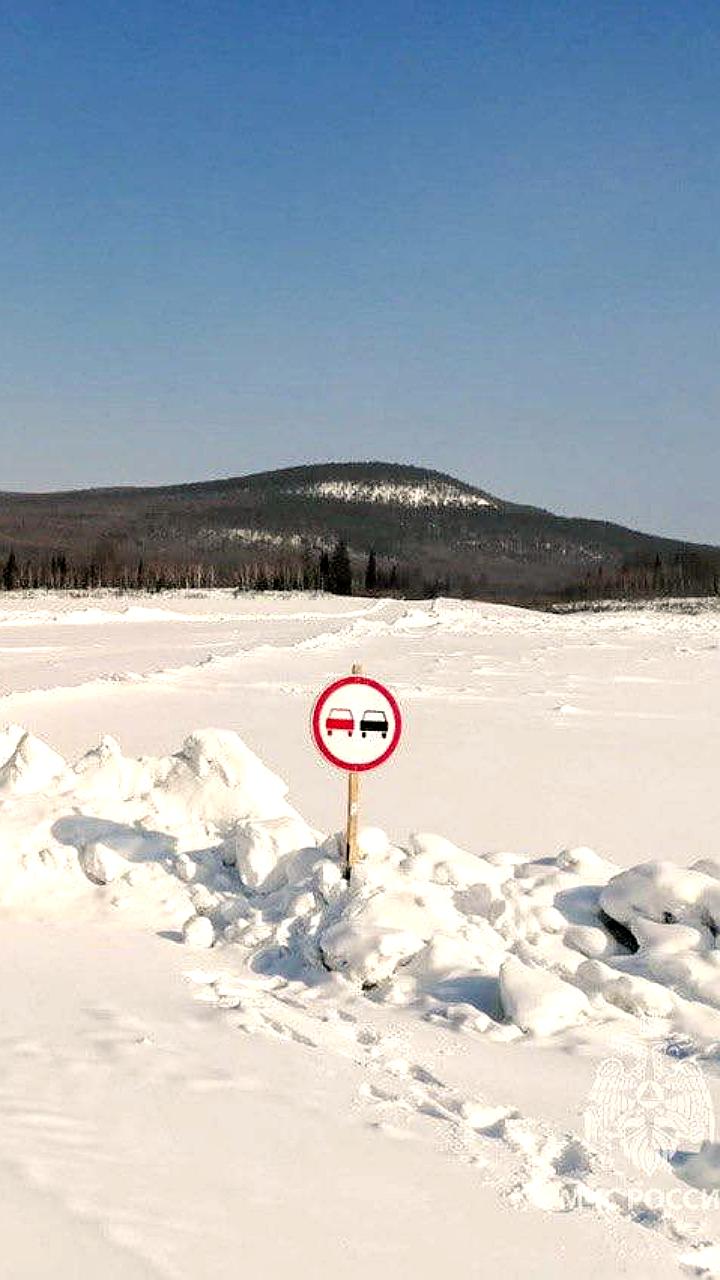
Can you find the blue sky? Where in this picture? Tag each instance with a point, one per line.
(477, 236)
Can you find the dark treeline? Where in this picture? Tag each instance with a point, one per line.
(686, 573)
(340, 572)
(335, 571)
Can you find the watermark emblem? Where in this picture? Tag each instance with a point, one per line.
(650, 1105)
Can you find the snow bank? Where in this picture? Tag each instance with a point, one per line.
(206, 843)
(112, 820)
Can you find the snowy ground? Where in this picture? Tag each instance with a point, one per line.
(393, 1078)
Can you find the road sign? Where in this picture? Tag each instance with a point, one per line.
(356, 723)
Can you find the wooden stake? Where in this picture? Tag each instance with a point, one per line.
(353, 804)
(351, 850)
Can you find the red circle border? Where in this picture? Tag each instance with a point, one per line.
(320, 703)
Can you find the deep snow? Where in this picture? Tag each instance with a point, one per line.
(418, 1048)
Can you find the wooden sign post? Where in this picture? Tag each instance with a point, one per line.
(353, 808)
(356, 724)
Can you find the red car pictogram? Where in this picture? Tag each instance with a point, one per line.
(340, 718)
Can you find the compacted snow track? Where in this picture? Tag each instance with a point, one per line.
(564, 730)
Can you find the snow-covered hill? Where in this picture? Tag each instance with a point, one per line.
(432, 534)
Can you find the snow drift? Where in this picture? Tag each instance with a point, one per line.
(206, 843)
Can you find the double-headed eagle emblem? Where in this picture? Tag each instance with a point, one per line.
(649, 1104)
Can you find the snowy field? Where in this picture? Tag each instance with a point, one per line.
(215, 1059)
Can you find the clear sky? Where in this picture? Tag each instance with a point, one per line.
(484, 237)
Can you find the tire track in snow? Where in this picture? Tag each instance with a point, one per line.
(175, 674)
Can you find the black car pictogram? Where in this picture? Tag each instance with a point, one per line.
(374, 722)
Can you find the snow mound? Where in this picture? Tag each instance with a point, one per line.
(114, 821)
(30, 766)
(257, 846)
(101, 863)
(198, 932)
(671, 916)
(215, 774)
(206, 845)
(538, 1001)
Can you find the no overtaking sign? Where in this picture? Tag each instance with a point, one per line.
(356, 724)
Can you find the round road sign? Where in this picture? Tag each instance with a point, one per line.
(356, 723)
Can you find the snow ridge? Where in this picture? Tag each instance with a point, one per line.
(509, 945)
